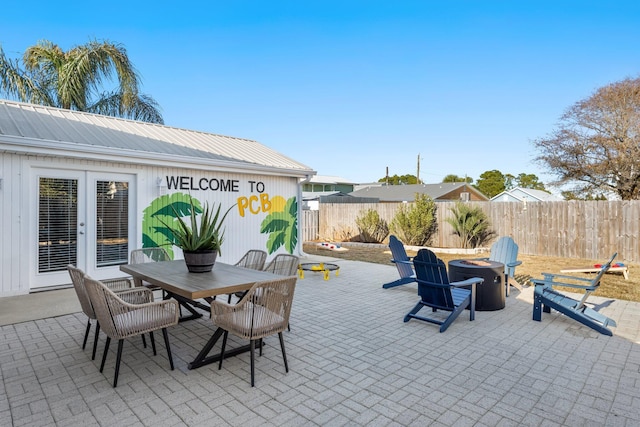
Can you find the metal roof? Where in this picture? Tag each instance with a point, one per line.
(52, 131)
(330, 179)
(407, 193)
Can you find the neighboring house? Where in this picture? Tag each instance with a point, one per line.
(325, 183)
(367, 184)
(519, 194)
(406, 193)
(85, 189)
(311, 200)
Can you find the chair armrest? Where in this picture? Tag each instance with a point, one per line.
(132, 319)
(468, 282)
(548, 283)
(514, 264)
(220, 307)
(130, 306)
(553, 276)
(402, 261)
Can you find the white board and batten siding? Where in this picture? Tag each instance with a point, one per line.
(251, 194)
(248, 195)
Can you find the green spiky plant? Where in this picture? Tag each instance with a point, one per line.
(471, 224)
(208, 235)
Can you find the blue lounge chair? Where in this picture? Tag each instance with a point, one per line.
(545, 298)
(505, 250)
(437, 293)
(402, 262)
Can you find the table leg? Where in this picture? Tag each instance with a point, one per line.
(189, 305)
(202, 359)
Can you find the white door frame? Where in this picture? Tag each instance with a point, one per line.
(86, 233)
(91, 268)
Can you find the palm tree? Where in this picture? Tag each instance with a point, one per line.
(73, 80)
(471, 224)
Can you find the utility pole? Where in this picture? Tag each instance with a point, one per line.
(418, 174)
(387, 176)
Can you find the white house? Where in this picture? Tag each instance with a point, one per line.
(84, 189)
(519, 194)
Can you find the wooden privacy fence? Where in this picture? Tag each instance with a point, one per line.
(568, 229)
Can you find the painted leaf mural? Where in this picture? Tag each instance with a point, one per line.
(282, 226)
(154, 233)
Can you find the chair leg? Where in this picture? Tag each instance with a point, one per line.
(153, 343)
(260, 344)
(252, 346)
(144, 341)
(165, 334)
(414, 311)
(284, 354)
(95, 341)
(118, 358)
(224, 344)
(506, 282)
(86, 334)
(104, 354)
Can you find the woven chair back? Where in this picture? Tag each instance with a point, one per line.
(284, 265)
(263, 311)
(253, 259)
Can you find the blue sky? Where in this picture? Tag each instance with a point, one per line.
(350, 88)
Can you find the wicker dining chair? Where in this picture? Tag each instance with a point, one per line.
(284, 265)
(263, 311)
(141, 256)
(121, 320)
(117, 285)
(253, 259)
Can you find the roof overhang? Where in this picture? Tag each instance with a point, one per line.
(47, 148)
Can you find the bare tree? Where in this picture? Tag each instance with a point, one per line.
(596, 146)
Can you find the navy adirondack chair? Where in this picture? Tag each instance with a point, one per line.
(438, 294)
(402, 262)
(545, 298)
(505, 250)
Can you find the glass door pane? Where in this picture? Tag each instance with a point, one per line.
(57, 224)
(112, 223)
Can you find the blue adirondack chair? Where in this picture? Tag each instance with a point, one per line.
(402, 262)
(545, 298)
(505, 250)
(437, 293)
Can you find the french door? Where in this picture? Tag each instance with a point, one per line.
(82, 218)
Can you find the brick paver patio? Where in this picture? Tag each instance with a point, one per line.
(352, 362)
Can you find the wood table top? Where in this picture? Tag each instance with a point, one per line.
(174, 277)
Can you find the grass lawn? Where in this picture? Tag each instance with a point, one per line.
(613, 285)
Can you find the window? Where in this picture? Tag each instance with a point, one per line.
(112, 223)
(57, 223)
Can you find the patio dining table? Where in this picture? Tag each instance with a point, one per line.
(188, 288)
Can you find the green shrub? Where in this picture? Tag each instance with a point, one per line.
(371, 227)
(471, 224)
(415, 223)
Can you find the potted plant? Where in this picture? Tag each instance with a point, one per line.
(200, 243)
